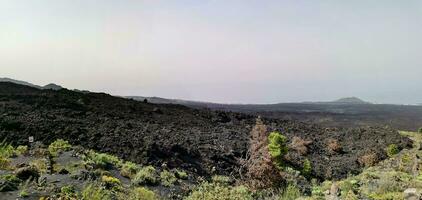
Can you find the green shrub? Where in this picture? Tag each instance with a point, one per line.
(6, 150)
(277, 148)
(40, 165)
(129, 169)
(95, 192)
(387, 196)
(21, 150)
(420, 130)
(290, 193)
(4, 163)
(392, 150)
(110, 182)
(58, 147)
(167, 178)
(141, 193)
(346, 186)
(181, 174)
(223, 180)
(9, 182)
(68, 192)
(23, 194)
(307, 168)
(145, 176)
(102, 160)
(218, 191)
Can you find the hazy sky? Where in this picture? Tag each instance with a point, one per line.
(220, 50)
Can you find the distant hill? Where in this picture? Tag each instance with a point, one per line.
(351, 100)
(50, 86)
(19, 82)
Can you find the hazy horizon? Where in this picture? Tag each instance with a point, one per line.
(218, 51)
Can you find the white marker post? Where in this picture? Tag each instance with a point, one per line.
(31, 140)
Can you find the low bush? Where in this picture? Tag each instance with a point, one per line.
(110, 182)
(392, 150)
(167, 178)
(40, 165)
(420, 130)
(58, 147)
(146, 176)
(277, 148)
(129, 169)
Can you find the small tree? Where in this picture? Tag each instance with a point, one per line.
(307, 168)
(420, 130)
(277, 148)
(260, 173)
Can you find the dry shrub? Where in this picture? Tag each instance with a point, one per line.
(368, 159)
(260, 170)
(300, 145)
(334, 146)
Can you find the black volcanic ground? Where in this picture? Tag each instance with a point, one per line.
(193, 139)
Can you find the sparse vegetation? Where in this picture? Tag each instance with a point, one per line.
(58, 147)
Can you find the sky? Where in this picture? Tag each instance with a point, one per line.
(226, 51)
